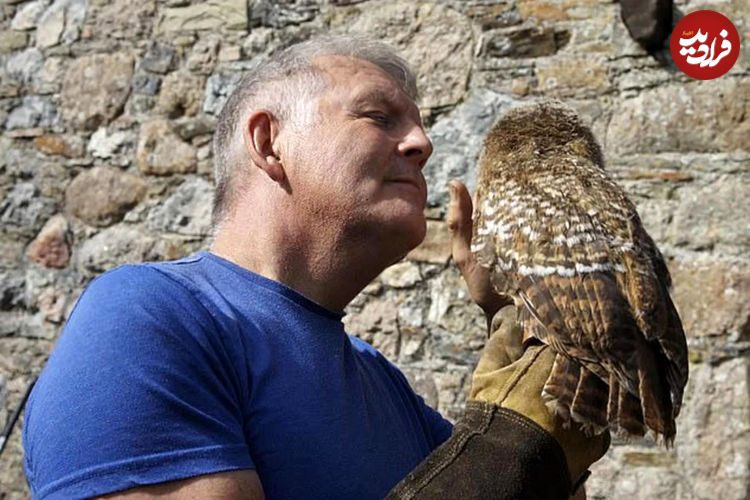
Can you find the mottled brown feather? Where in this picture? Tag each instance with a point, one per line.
(562, 238)
(561, 386)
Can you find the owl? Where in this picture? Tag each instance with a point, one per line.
(562, 240)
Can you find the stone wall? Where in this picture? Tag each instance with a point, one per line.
(107, 109)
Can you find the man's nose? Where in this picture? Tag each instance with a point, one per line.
(416, 146)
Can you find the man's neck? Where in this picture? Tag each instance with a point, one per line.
(320, 266)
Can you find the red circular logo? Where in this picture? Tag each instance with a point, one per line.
(705, 44)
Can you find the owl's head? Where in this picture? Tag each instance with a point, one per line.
(545, 128)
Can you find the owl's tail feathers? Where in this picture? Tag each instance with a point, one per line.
(676, 354)
(577, 394)
(560, 388)
(590, 403)
(656, 400)
(574, 393)
(624, 411)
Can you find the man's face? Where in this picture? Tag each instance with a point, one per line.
(359, 166)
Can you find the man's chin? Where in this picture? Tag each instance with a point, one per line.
(411, 233)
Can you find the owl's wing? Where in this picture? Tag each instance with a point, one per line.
(647, 284)
(569, 257)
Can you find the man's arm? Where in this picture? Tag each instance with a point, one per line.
(137, 392)
(231, 485)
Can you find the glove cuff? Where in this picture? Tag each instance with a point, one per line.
(493, 452)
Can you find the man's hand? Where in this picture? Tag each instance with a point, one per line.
(477, 277)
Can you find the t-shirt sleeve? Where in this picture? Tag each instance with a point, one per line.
(139, 390)
(440, 428)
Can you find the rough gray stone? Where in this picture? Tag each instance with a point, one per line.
(711, 295)
(159, 58)
(105, 143)
(402, 275)
(27, 16)
(146, 85)
(181, 94)
(436, 247)
(51, 25)
(48, 177)
(12, 288)
(111, 23)
(423, 384)
(711, 450)
(105, 81)
(50, 79)
(101, 196)
(376, 325)
(429, 35)
(275, 14)
(524, 42)
(26, 133)
(203, 56)
(452, 382)
(229, 53)
(116, 245)
(190, 127)
(709, 116)
(705, 218)
(6, 146)
(492, 16)
(259, 41)
(207, 15)
(34, 111)
(50, 295)
(75, 13)
(52, 304)
(24, 66)
(161, 152)
(457, 138)
(187, 211)
(11, 251)
(579, 76)
(24, 210)
(140, 104)
(218, 88)
(451, 312)
(12, 40)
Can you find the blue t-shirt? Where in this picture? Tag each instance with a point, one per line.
(171, 370)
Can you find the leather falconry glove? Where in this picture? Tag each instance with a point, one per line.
(518, 387)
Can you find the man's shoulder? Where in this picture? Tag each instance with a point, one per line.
(146, 279)
(361, 346)
(370, 354)
(136, 291)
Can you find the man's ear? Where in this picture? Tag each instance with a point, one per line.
(261, 131)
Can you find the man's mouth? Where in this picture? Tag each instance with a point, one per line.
(417, 184)
(409, 181)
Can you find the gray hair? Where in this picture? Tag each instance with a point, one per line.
(285, 85)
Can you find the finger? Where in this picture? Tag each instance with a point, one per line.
(459, 222)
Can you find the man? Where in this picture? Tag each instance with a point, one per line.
(228, 374)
